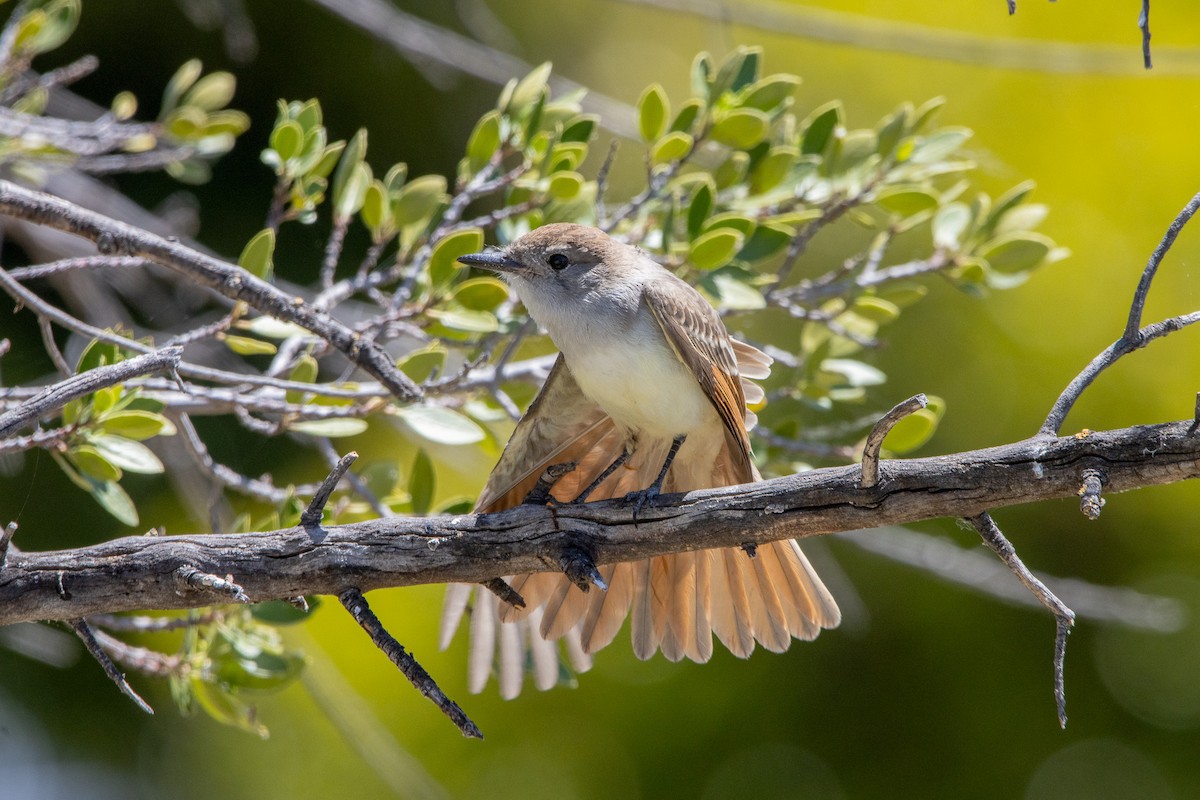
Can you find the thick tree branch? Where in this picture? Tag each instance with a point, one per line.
(140, 572)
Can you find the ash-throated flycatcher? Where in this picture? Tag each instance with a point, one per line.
(647, 373)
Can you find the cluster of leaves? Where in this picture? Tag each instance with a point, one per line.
(193, 128)
(229, 657)
(104, 435)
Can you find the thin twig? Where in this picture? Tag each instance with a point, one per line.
(88, 637)
(1144, 25)
(1090, 501)
(1164, 246)
(357, 605)
(312, 514)
(874, 443)
(506, 593)
(58, 395)
(6, 537)
(1064, 618)
(1134, 336)
(117, 238)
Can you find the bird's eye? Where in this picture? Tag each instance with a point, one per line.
(558, 261)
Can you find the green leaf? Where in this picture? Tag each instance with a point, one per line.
(939, 145)
(890, 130)
(353, 155)
(772, 169)
(376, 209)
(738, 70)
(421, 364)
(481, 294)
(93, 464)
(106, 398)
(443, 261)
(689, 112)
(529, 90)
(732, 171)
(670, 148)
(729, 219)
(258, 255)
(136, 425)
(819, 128)
(715, 248)
(904, 293)
(1016, 252)
(702, 75)
(226, 708)
(654, 109)
(736, 294)
(771, 92)
(876, 309)
(179, 83)
(98, 354)
(332, 428)
(421, 483)
(949, 224)
(116, 501)
(565, 185)
(767, 240)
(741, 128)
(484, 141)
(441, 425)
(211, 92)
(272, 328)
(418, 199)
(701, 206)
(466, 320)
(854, 373)
(279, 612)
(580, 129)
(246, 346)
(127, 454)
(905, 201)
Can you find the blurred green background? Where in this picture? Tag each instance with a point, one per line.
(928, 689)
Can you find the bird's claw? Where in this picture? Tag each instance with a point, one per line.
(642, 498)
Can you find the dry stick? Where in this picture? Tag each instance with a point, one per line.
(1064, 618)
(312, 514)
(1090, 501)
(6, 541)
(506, 593)
(188, 576)
(1134, 337)
(357, 605)
(870, 457)
(88, 637)
(136, 572)
(1144, 24)
(56, 396)
(117, 238)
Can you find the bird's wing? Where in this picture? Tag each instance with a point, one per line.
(700, 341)
(561, 425)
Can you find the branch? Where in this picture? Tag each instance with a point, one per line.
(58, 395)
(139, 572)
(117, 238)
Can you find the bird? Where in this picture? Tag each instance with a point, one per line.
(649, 394)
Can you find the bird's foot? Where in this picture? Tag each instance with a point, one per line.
(643, 497)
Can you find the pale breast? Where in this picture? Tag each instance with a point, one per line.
(639, 382)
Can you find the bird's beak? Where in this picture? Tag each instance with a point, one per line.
(495, 260)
